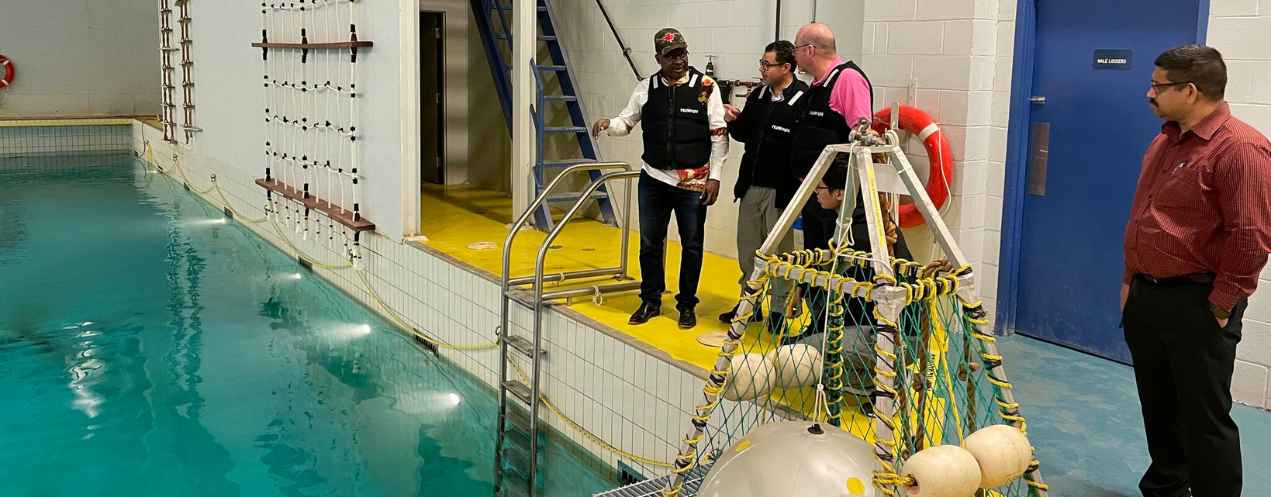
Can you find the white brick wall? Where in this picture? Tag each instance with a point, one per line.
(943, 57)
(735, 31)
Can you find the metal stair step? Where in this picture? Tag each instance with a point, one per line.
(508, 8)
(519, 390)
(508, 36)
(560, 98)
(523, 345)
(522, 297)
(550, 67)
(564, 162)
(565, 129)
(573, 196)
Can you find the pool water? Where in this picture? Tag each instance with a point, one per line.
(150, 348)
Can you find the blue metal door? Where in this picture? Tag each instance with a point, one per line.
(1089, 123)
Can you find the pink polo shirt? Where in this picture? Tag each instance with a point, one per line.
(850, 95)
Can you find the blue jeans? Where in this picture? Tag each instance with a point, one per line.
(657, 201)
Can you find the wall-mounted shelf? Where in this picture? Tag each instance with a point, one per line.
(316, 46)
(335, 212)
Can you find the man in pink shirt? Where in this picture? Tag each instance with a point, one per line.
(839, 97)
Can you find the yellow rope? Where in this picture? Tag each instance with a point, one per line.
(578, 428)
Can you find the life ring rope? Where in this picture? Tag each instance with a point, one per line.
(939, 153)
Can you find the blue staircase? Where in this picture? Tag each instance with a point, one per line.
(493, 19)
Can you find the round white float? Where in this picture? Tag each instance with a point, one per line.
(751, 378)
(1003, 453)
(795, 365)
(942, 471)
(782, 459)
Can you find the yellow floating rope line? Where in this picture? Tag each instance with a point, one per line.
(587, 433)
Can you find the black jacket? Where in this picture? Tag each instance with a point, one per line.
(818, 124)
(677, 131)
(766, 128)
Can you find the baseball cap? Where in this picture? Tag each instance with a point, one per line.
(668, 39)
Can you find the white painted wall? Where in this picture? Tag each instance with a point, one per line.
(81, 57)
(229, 102)
(1241, 30)
(735, 31)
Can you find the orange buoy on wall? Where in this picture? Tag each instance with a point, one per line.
(916, 122)
(8, 71)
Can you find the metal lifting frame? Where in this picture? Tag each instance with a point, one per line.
(536, 299)
(863, 174)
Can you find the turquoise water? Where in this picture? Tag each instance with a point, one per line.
(148, 348)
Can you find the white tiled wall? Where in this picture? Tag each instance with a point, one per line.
(1241, 30)
(16, 139)
(612, 388)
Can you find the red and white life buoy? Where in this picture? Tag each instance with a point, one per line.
(8, 72)
(918, 123)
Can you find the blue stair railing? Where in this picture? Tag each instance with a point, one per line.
(493, 20)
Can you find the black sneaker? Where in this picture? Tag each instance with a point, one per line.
(727, 317)
(647, 311)
(688, 318)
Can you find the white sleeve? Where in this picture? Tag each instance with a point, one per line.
(719, 133)
(630, 116)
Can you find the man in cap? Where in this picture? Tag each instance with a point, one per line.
(685, 144)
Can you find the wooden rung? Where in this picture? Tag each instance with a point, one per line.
(335, 212)
(318, 46)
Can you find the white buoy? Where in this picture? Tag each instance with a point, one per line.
(794, 458)
(942, 471)
(795, 365)
(1003, 453)
(751, 378)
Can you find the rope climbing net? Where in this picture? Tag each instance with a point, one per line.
(900, 362)
(311, 112)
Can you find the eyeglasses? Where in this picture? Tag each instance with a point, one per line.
(677, 55)
(813, 45)
(765, 64)
(1157, 86)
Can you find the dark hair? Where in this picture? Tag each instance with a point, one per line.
(1198, 64)
(836, 176)
(784, 51)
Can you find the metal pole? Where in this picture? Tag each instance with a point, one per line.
(777, 35)
(626, 51)
(626, 226)
(538, 305)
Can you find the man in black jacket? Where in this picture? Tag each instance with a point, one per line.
(685, 144)
(765, 183)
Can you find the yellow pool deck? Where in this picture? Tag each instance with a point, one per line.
(469, 225)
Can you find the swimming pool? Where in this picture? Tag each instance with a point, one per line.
(149, 347)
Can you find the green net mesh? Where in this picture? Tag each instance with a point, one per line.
(816, 355)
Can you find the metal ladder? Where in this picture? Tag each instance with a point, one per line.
(517, 453)
(492, 19)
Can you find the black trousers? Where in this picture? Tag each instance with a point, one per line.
(1183, 361)
(658, 201)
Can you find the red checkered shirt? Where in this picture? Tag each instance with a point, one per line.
(1203, 205)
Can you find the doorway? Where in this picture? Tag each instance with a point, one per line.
(432, 115)
(1079, 126)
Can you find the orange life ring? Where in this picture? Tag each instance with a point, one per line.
(8, 72)
(919, 124)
